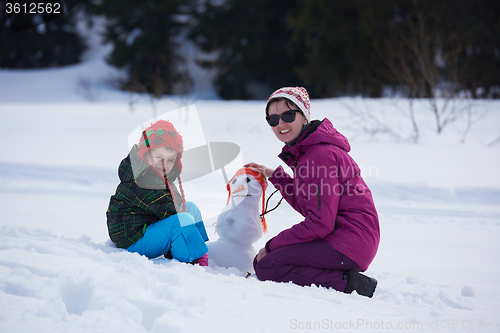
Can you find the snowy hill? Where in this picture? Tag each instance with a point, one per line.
(64, 132)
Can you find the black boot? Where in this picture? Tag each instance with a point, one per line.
(364, 285)
(168, 255)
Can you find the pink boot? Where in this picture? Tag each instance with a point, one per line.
(203, 260)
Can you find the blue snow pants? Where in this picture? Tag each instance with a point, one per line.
(183, 234)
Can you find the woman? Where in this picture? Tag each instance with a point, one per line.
(339, 235)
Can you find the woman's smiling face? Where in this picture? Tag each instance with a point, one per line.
(286, 132)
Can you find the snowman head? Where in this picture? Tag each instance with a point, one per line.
(247, 185)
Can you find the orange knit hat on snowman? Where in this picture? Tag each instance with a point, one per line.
(263, 183)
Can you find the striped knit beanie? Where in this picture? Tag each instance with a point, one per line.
(263, 183)
(298, 95)
(161, 134)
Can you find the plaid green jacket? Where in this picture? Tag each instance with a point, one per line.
(141, 199)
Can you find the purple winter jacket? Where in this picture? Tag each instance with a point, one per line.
(327, 189)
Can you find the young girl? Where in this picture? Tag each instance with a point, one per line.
(339, 235)
(147, 214)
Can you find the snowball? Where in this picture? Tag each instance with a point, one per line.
(467, 291)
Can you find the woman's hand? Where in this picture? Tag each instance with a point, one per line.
(265, 171)
(262, 253)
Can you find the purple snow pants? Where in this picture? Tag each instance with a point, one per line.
(315, 262)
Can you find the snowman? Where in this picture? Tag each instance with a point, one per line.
(240, 224)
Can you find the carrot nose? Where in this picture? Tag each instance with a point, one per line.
(238, 189)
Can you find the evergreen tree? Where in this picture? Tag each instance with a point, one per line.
(339, 55)
(145, 36)
(429, 46)
(476, 23)
(253, 39)
(55, 43)
(415, 46)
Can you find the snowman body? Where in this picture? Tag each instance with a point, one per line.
(238, 226)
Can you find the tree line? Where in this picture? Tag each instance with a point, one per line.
(413, 48)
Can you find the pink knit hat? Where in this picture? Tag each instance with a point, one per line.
(298, 95)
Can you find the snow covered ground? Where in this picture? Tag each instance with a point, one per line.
(64, 132)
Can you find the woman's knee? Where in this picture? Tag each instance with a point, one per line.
(266, 269)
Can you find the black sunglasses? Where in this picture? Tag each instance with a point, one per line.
(287, 116)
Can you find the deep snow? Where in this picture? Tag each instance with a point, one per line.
(64, 132)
